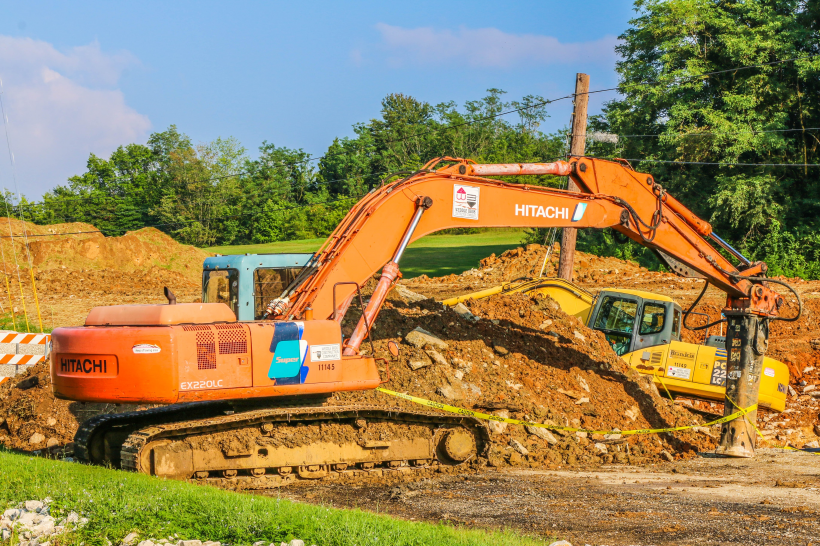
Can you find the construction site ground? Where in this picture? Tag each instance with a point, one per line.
(524, 358)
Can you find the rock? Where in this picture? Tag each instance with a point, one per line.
(581, 434)
(36, 438)
(579, 335)
(808, 388)
(462, 310)
(632, 413)
(583, 383)
(419, 363)
(44, 528)
(808, 369)
(462, 365)
(5, 534)
(33, 505)
(51, 421)
(553, 333)
(516, 445)
(450, 393)
(129, 538)
(420, 337)
(146, 543)
(436, 357)
(815, 394)
(814, 444)
(544, 325)
(668, 456)
(575, 395)
(296, 542)
(500, 349)
(12, 514)
(515, 458)
(73, 517)
(817, 430)
(211, 543)
(582, 401)
(542, 433)
(28, 383)
(459, 374)
(792, 392)
(600, 448)
(260, 543)
(408, 295)
(498, 427)
(51, 442)
(560, 543)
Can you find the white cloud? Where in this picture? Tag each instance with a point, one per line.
(62, 106)
(488, 48)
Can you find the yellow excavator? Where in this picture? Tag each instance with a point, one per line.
(644, 329)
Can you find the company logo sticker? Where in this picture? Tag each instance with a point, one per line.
(289, 350)
(768, 372)
(145, 349)
(465, 201)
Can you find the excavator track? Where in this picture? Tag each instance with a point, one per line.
(271, 447)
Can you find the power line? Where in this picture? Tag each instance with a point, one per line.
(478, 120)
(717, 133)
(719, 163)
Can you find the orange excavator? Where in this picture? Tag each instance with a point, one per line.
(246, 402)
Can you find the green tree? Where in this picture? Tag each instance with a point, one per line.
(686, 97)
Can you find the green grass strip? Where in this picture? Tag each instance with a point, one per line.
(433, 255)
(118, 503)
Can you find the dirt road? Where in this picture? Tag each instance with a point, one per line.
(772, 499)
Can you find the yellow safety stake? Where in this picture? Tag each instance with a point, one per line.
(36, 301)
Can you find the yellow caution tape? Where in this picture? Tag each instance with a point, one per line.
(487, 417)
(754, 425)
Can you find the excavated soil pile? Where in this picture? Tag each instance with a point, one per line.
(524, 358)
(31, 419)
(76, 268)
(795, 343)
(527, 261)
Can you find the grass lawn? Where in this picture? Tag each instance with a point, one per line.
(433, 255)
(118, 503)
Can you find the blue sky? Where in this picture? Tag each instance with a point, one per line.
(83, 78)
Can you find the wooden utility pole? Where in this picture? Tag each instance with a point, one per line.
(577, 146)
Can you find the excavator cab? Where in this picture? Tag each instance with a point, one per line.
(632, 319)
(246, 283)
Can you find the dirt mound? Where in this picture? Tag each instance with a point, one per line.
(526, 359)
(795, 343)
(134, 251)
(82, 269)
(31, 419)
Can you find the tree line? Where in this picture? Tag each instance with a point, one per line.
(699, 86)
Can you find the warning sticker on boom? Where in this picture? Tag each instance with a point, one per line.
(319, 353)
(465, 202)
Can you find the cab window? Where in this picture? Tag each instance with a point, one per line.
(676, 323)
(616, 319)
(269, 283)
(653, 319)
(221, 286)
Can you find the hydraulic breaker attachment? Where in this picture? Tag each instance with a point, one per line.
(747, 339)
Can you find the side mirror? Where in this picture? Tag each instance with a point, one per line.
(393, 347)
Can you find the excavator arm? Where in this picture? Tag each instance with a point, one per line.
(377, 230)
(382, 224)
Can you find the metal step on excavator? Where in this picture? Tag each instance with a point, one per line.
(244, 403)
